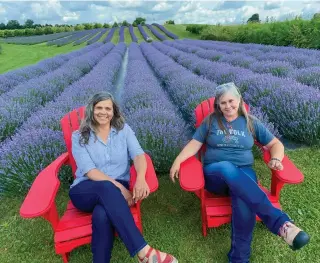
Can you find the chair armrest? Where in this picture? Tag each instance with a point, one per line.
(151, 176)
(43, 191)
(191, 175)
(290, 173)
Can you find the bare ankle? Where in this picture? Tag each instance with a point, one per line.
(143, 252)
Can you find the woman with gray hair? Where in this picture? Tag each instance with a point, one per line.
(229, 134)
(102, 148)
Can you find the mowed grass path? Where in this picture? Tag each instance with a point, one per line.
(171, 219)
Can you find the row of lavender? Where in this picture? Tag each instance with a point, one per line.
(186, 89)
(20, 102)
(158, 125)
(30, 40)
(19, 76)
(295, 64)
(253, 48)
(294, 107)
(74, 37)
(41, 133)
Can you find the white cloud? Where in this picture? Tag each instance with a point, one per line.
(2, 10)
(126, 3)
(190, 6)
(193, 11)
(269, 5)
(162, 7)
(70, 16)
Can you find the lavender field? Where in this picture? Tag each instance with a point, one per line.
(158, 85)
(162, 84)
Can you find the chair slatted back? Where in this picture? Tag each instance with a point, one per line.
(70, 123)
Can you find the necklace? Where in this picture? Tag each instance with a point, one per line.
(229, 127)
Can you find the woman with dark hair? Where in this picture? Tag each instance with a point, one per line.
(229, 134)
(102, 148)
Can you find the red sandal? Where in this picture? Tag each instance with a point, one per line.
(156, 258)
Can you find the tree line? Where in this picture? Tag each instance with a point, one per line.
(29, 28)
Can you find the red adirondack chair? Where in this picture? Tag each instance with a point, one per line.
(73, 229)
(216, 210)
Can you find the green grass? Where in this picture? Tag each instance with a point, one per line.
(180, 30)
(171, 219)
(115, 37)
(17, 56)
(161, 32)
(127, 36)
(150, 34)
(138, 34)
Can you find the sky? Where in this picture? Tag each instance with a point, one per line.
(182, 12)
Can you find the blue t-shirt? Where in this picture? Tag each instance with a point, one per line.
(235, 147)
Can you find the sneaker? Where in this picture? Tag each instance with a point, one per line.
(293, 235)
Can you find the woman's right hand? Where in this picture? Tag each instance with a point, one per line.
(127, 195)
(174, 171)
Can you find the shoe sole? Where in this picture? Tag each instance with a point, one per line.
(300, 240)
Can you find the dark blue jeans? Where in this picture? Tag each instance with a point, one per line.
(224, 178)
(110, 211)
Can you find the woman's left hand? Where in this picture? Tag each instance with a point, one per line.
(141, 190)
(275, 165)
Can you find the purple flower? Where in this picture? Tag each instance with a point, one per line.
(133, 36)
(167, 32)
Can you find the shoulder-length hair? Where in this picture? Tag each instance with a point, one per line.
(89, 124)
(217, 113)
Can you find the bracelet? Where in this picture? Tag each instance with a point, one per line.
(275, 159)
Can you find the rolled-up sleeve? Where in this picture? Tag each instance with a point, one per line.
(263, 135)
(81, 156)
(201, 132)
(133, 144)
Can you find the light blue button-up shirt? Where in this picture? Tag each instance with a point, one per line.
(111, 158)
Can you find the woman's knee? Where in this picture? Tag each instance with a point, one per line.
(106, 186)
(225, 169)
(99, 216)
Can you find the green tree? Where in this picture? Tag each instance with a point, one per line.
(97, 25)
(19, 32)
(316, 16)
(38, 31)
(13, 24)
(140, 20)
(29, 23)
(2, 26)
(87, 26)
(8, 33)
(254, 19)
(105, 25)
(115, 24)
(125, 23)
(170, 22)
(48, 30)
(29, 31)
(78, 27)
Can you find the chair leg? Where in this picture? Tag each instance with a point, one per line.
(204, 229)
(203, 213)
(65, 257)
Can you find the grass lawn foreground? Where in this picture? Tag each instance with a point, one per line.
(171, 219)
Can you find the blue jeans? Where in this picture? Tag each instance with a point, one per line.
(224, 178)
(110, 211)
